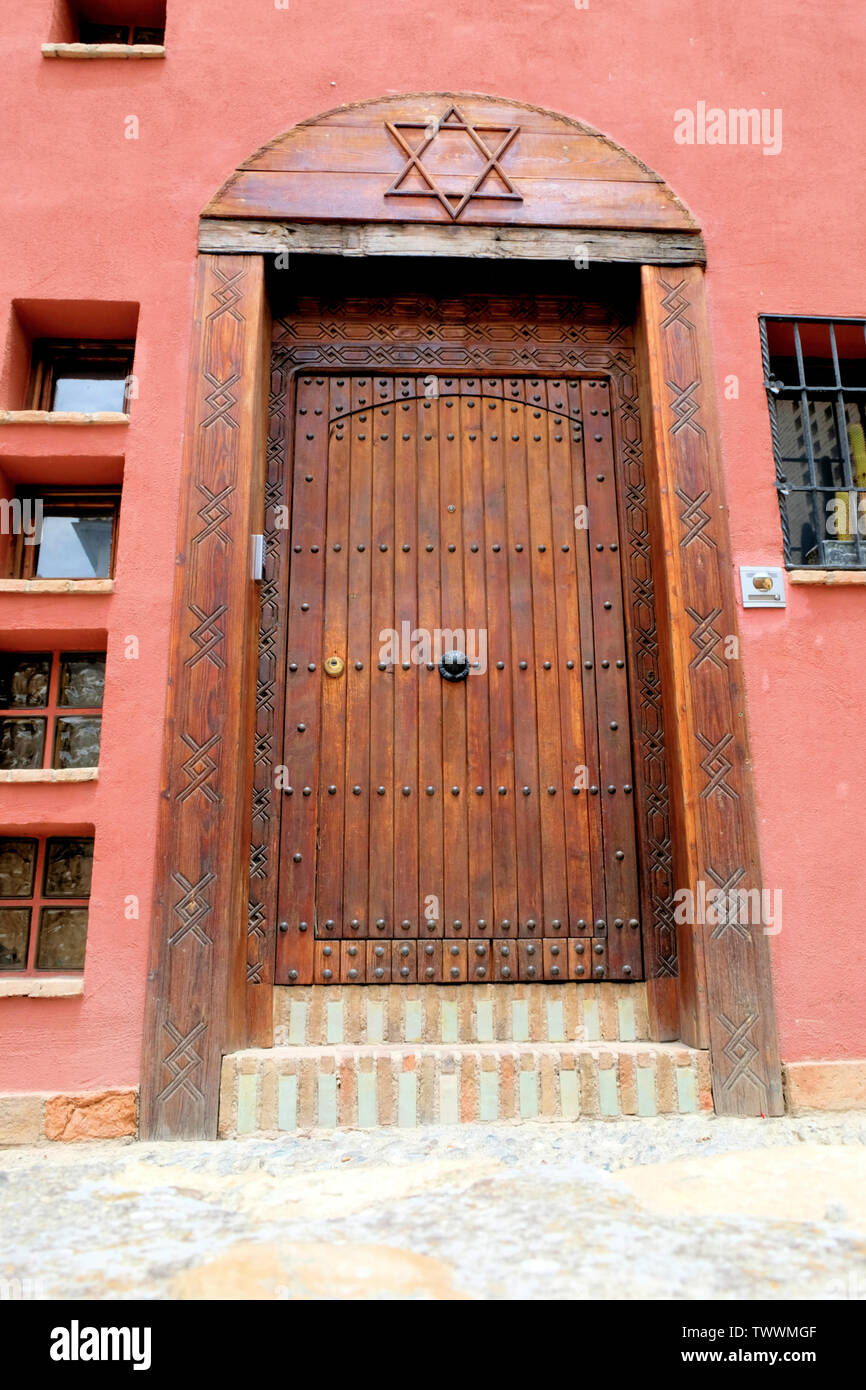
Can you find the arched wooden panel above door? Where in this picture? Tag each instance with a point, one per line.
(452, 159)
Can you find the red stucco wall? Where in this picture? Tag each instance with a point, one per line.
(87, 214)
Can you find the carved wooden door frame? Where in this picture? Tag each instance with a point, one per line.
(200, 1004)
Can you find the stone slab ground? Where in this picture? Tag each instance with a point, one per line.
(678, 1207)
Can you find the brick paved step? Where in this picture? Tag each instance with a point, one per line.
(269, 1090)
(470, 1013)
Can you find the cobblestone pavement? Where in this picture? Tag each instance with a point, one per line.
(679, 1207)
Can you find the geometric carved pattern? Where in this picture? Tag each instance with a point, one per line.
(214, 513)
(182, 1061)
(705, 637)
(453, 203)
(207, 635)
(191, 909)
(199, 768)
(728, 911)
(716, 766)
(741, 1052)
(684, 407)
(221, 400)
(694, 518)
(228, 296)
(676, 304)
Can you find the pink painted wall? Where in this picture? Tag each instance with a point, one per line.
(89, 215)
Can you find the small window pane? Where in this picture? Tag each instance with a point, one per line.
(23, 680)
(103, 33)
(793, 456)
(17, 866)
(68, 866)
(89, 389)
(62, 938)
(826, 446)
(22, 742)
(851, 351)
(75, 546)
(77, 741)
(149, 36)
(82, 680)
(14, 936)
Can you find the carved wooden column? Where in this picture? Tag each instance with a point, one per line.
(725, 985)
(195, 1003)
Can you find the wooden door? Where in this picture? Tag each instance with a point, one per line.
(456, 829)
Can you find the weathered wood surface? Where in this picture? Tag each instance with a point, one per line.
(395, 513)
(725, 982)
(443, 158)
(494, 243)
(195, 999)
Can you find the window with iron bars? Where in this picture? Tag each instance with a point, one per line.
(815, 376)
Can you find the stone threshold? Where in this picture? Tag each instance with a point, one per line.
(103, 50)
(63, 417)
(828, 578)
(49, 774)
(56, 586)
(273, 1090)
(41, 987)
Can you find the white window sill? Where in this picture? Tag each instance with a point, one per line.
(103, 50)
(63, 417)
(829, 577)
(49, 774)
(56, 586)
(45, 987)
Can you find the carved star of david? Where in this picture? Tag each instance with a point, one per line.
(454, 202)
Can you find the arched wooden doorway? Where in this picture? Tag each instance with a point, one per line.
(437, 176)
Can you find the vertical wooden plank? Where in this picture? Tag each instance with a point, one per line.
(452, 621)
(529, 882)
(500, 660)
(335, 549)
(652, 815)
(545, 665)
(431, 866)
(592, 793)
(301, 738)
(195, 997)
(382, 665)
(266, 796)
(477, 779)
(576, 799)
(616, 785)
(357, 790)
(408, 674)
(725, 968)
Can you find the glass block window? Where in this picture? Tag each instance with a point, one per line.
(51, 709)
(815, 376)
(44, 896)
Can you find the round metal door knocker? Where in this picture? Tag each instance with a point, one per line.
(334, 666)
(454, 666)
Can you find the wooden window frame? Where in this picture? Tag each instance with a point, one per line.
(36, 901)
(53, 711)
(50, 353)
(24, 558)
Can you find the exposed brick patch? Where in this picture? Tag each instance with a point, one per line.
(99, 1115)
(839, 1085)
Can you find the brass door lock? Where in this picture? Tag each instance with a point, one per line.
(334, 666)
